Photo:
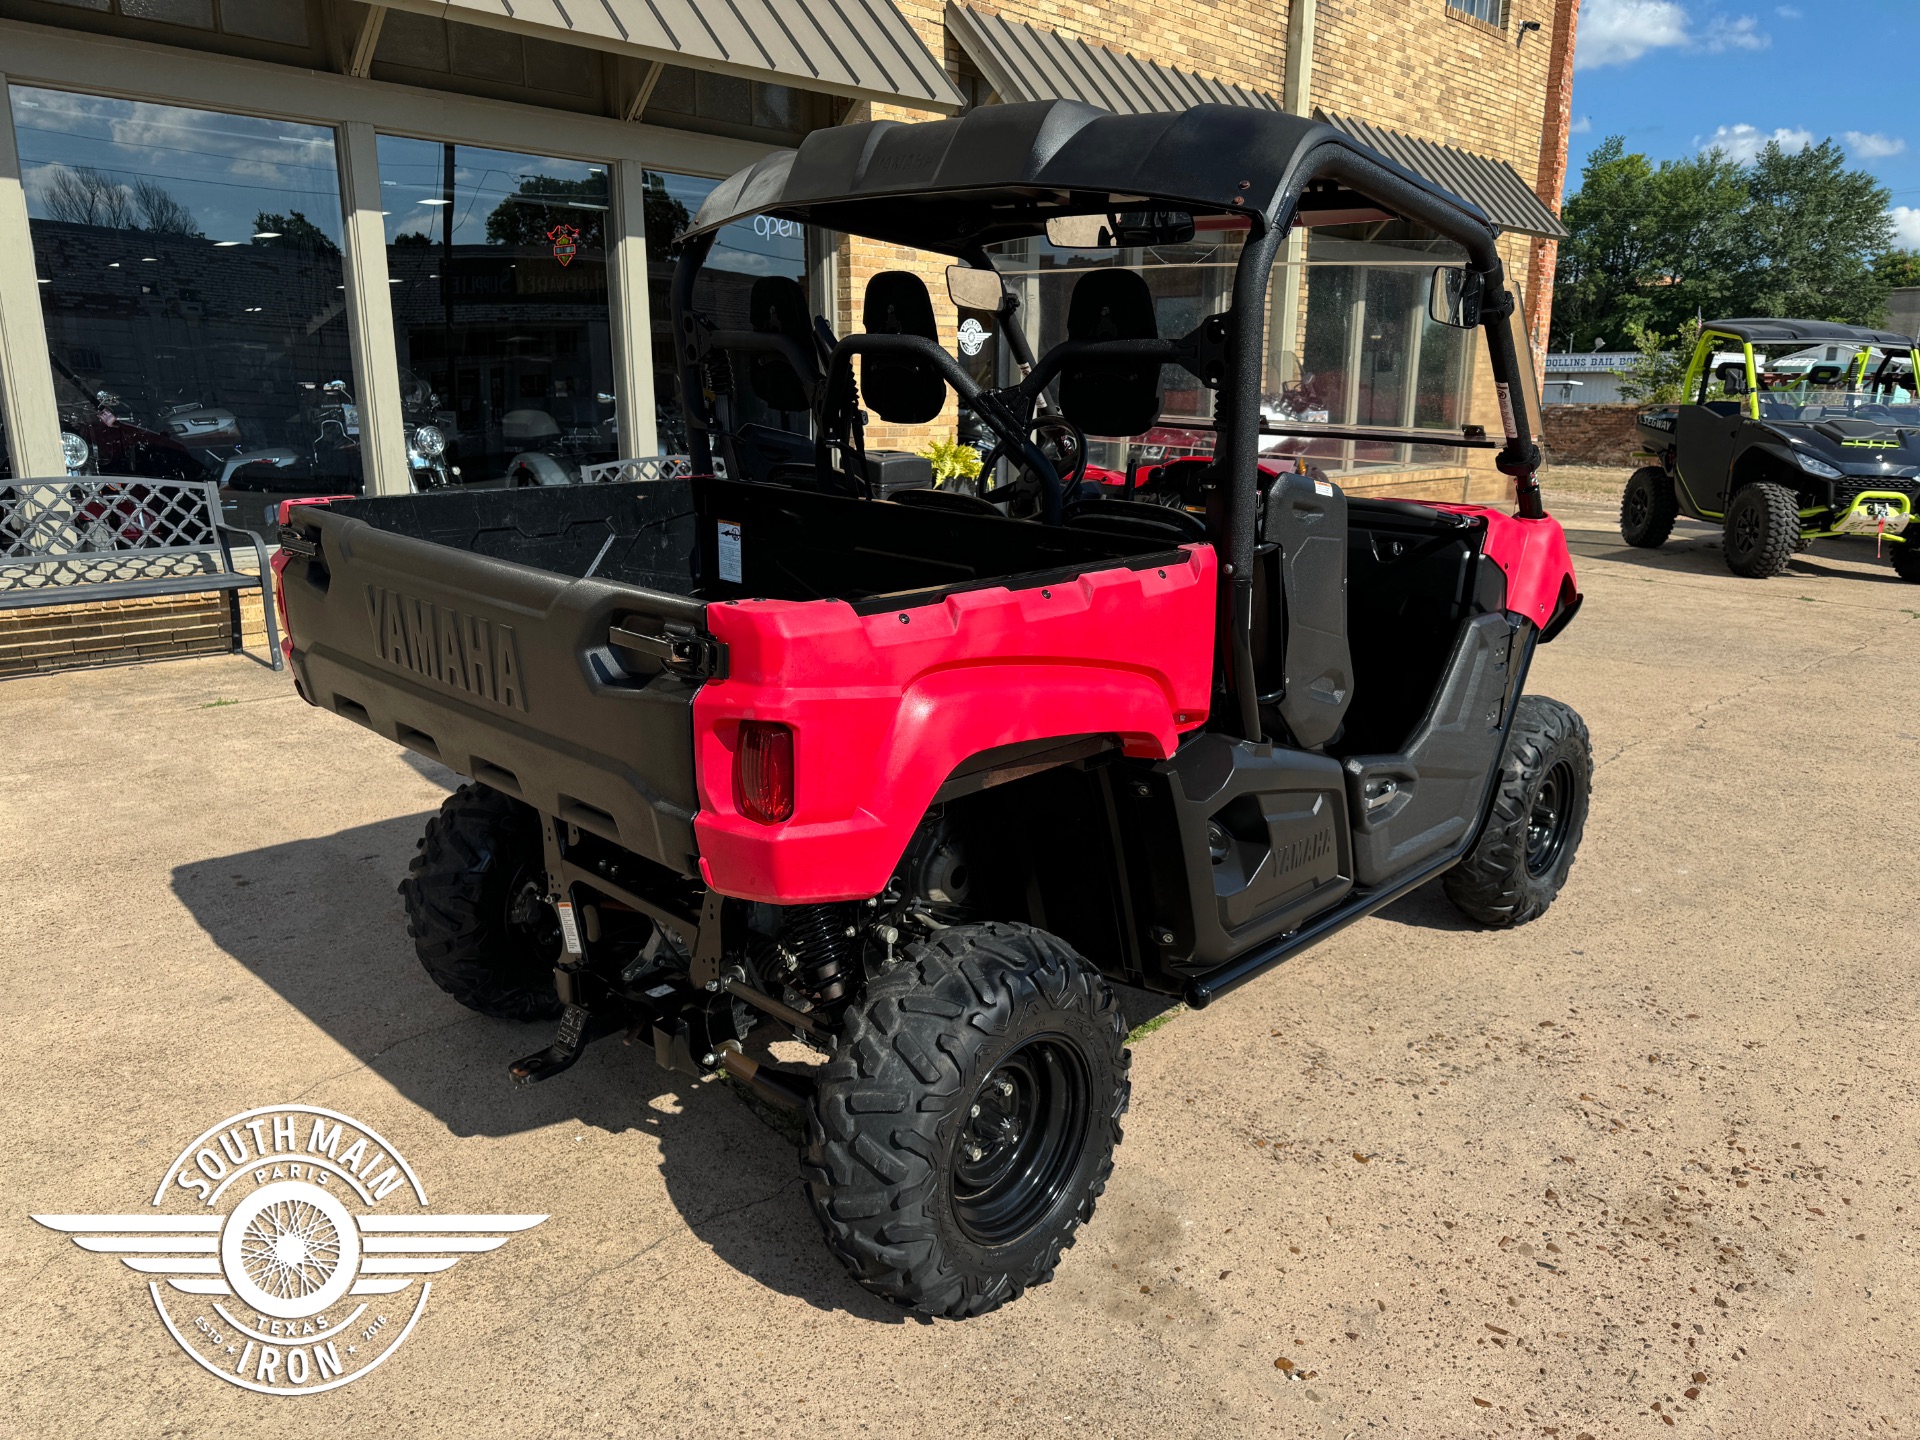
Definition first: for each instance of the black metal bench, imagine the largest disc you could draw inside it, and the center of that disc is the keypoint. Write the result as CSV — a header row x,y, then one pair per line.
x,y
119,537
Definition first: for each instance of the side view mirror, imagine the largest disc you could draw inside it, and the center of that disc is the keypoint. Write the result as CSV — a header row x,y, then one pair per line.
x,y
1120,230
1455,298
972,289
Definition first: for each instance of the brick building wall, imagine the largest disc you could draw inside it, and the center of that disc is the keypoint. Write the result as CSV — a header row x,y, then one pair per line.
x,y
1592,434
127,632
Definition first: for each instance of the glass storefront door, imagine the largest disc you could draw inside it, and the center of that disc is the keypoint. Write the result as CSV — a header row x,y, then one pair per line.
x,y
191,282
498,266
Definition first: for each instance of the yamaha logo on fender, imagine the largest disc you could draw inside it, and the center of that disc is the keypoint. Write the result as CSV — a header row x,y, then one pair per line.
x,y
1303,852
463,652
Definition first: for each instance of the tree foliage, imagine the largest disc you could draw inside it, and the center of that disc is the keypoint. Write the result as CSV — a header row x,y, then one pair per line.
x,y
294,231
1660,364
1900,269
541,203
82,195
1655,247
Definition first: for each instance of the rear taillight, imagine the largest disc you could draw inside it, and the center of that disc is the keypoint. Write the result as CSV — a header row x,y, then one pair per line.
x,y
763,772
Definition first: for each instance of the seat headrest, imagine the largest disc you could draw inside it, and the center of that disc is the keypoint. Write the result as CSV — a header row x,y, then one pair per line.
x,y
777,306
902,389
1111,395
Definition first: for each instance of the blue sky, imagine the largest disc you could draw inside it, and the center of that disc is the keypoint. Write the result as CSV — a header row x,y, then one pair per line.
x,y
1674,76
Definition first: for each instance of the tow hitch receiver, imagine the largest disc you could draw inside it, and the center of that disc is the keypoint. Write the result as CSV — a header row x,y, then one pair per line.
x,y
579,1025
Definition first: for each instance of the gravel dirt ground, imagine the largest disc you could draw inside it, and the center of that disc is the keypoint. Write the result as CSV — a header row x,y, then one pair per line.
x,y
1646,1165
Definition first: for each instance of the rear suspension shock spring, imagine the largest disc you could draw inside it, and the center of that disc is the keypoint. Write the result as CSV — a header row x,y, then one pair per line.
x,y
816,937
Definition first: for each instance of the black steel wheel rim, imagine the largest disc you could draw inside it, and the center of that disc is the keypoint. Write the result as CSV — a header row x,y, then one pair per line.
x,y
1021,1139
1746,529
1550,819
1639,502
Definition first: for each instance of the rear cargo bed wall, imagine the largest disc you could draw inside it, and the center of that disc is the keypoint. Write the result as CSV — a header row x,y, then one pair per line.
x,y
640,534
709,539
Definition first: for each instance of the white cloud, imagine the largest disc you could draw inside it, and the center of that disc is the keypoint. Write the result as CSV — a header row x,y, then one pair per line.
x,y
1614,32
1906,226
1874,146
1582,126
1787,12
1741,34
1617,32
1743,143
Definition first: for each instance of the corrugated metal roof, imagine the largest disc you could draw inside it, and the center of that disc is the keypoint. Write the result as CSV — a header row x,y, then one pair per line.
x,y
1023,63
860,48
1491,184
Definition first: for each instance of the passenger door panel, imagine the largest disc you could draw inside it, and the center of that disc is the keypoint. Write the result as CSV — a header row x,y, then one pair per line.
x,y
1411,807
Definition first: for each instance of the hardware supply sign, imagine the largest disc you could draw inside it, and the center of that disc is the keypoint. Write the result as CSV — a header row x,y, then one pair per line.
x,y
290,1249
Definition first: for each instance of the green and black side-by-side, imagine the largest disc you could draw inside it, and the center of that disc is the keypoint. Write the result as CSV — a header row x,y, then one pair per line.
x,y
1789,431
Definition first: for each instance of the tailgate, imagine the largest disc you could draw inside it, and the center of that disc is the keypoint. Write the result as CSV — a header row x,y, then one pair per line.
x,y
506,673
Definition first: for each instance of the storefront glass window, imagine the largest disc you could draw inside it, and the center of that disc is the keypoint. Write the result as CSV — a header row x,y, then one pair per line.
x,y
497,263
743,254
1369,353
1366,353
191,281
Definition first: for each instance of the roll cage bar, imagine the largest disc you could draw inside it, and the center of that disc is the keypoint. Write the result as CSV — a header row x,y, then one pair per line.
x,y
1226,356
1725,338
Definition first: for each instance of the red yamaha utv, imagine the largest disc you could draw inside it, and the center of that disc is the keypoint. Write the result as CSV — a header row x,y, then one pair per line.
x,y
911,780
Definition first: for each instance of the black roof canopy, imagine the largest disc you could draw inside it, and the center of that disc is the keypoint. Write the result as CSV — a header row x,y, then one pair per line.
x,y
1000,171
1756,331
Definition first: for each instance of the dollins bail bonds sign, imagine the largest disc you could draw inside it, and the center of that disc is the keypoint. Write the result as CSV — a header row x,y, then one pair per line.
x,y
289,1250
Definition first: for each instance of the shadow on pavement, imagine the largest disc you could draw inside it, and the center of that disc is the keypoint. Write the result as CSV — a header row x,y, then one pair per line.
x,y
320,922
1426,909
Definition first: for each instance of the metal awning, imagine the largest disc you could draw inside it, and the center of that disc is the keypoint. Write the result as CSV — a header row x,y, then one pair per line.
x,y
1491,184
1023,63
864,49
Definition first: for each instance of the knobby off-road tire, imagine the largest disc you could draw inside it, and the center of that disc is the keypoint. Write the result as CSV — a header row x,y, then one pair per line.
x,y
1648,508
1906,557
1521,859
967,1122
1762,528
475,895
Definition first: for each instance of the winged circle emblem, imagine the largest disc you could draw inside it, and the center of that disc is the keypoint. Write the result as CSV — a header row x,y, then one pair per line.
x,y
566,243
289,1250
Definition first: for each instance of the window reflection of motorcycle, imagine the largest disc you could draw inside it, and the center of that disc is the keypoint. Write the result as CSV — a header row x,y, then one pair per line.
x,y
329,424
552,456
101,435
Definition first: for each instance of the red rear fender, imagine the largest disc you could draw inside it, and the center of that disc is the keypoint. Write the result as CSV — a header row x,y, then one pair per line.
x,y
885,707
